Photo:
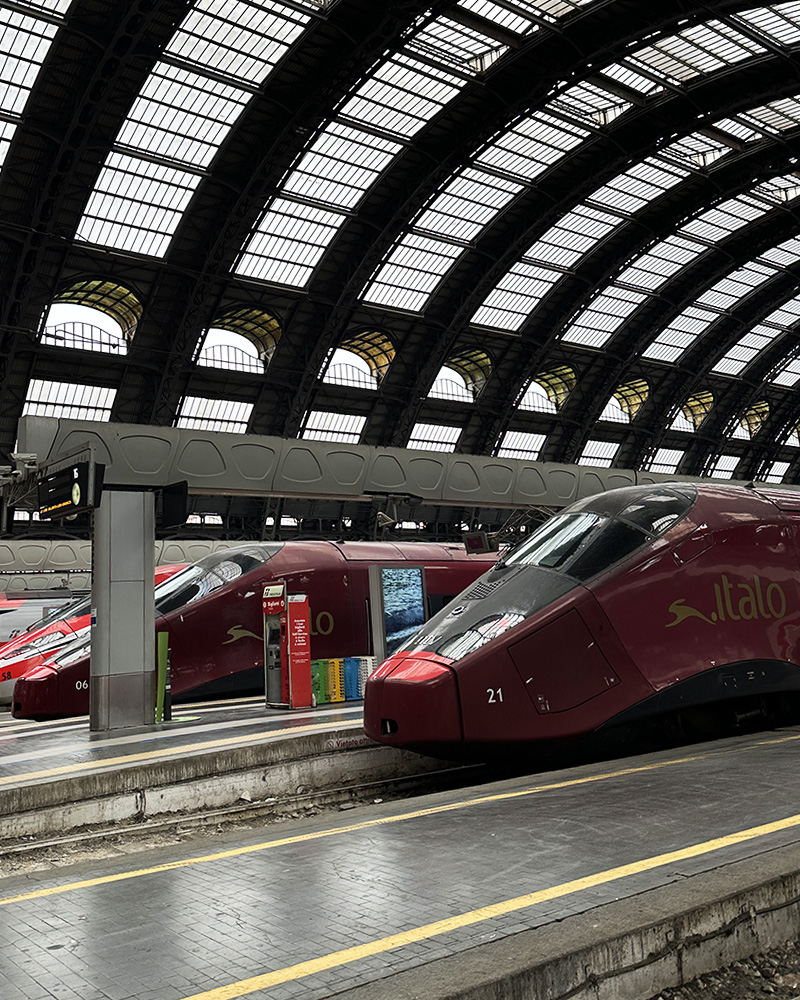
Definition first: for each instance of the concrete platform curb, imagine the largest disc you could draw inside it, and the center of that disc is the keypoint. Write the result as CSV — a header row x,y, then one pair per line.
x,y
627,950
200,782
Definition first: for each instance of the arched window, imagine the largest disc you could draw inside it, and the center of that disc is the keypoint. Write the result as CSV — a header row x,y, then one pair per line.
x,y
626,402
548,391
471,367
240,339
361,360
693,412
93,316
348,368
752,420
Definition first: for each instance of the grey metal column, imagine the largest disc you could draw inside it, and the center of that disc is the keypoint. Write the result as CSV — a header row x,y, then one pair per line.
x,y
122,684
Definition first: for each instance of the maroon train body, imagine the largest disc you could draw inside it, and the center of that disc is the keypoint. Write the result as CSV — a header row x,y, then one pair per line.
x,y
630,604
212,611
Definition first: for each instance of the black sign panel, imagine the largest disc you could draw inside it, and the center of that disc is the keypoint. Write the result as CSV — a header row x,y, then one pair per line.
x,y
69,491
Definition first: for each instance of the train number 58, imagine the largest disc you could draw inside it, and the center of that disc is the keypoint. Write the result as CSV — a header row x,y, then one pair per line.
x,y
495,695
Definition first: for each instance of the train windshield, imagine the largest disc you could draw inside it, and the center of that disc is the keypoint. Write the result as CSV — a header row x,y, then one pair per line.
x,y
596,533
210,574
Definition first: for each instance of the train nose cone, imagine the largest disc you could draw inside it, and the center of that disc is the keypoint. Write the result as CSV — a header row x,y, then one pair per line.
x,y
412,699
35,693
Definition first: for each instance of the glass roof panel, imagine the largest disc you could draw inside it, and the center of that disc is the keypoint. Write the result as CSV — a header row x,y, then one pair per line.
x,y
73,400
201,413
778,323
652,268
470,200
414,268
511,16
369,130
434,437
521,444
788,373
718,300
211,68
181,115
291,239
340,165
532,145
324,425
136,205
698,50
779,22
25,39
513,299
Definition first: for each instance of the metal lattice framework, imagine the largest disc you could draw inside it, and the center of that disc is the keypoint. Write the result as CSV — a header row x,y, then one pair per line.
x,y
506,188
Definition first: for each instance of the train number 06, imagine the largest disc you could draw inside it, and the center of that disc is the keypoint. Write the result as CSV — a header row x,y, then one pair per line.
x,y
495,695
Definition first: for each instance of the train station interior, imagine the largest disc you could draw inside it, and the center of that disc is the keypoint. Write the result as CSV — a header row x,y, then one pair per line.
x,y
399,499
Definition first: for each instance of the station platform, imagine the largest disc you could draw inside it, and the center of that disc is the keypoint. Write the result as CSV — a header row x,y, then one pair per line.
x,y
610,879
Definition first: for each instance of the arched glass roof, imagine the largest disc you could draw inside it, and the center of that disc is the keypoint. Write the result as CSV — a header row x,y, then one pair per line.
x,y
586,210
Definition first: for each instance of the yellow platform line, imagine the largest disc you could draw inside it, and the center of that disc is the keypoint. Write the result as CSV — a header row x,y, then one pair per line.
x,y
350,828
338,958
173,751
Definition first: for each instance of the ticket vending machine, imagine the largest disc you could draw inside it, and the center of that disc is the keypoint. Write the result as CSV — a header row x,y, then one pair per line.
x,y
287,648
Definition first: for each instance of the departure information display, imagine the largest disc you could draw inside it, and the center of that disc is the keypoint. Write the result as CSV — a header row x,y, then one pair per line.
x,y
69,491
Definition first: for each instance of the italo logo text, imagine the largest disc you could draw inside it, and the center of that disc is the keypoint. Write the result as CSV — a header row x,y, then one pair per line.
x,y
735,602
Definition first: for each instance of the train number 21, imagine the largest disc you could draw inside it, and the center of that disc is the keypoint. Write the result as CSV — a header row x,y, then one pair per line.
x,y
495,695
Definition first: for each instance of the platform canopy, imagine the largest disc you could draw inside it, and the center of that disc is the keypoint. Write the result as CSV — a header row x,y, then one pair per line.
x,y
563,230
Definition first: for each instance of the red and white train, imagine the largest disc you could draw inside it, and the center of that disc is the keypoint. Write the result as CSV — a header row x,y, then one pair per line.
x,y
212,612
630,604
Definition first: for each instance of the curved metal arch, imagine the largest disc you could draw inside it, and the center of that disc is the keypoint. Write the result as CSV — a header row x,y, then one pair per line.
x,y
538,340
566,56
576,177
51,164
694,372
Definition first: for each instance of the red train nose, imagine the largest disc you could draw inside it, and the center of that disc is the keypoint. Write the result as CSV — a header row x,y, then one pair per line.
x,y
413,699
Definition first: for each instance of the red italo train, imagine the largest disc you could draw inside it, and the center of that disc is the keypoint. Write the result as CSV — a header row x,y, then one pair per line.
x,y
212,612
676,601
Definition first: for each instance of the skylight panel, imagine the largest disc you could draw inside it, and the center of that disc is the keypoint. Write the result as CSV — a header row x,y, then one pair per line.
x,y
693,322
598,453
340,165
776,117
201,413
776,473
730,290
639,185
701,49
778,323
136,205
181,115
24,43
291,239
650,270
590,104
531,146
412,271
780,22
71,400
742,353
510,303
323,425
724,467
665,460
784,255
681,333
513,17
452,42
521,444
697,150
466,205
608,311
238,38
210,70
787,374
402,96
434,437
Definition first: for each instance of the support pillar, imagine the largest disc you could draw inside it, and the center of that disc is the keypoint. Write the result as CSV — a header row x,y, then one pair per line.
x,y
122,684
